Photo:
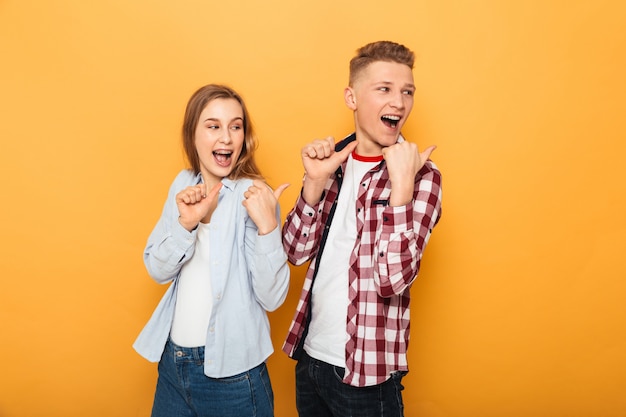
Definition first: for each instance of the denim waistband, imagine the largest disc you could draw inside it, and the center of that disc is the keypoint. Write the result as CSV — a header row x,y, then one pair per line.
x,y
185,354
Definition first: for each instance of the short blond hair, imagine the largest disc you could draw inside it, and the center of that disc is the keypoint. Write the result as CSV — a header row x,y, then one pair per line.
x,y
379,51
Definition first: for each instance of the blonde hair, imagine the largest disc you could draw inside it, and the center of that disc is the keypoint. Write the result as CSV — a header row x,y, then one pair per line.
x,y
379,51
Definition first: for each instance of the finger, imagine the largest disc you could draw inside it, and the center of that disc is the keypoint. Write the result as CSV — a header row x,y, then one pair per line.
x,y
213,192
329,145
320,148
279,190
195,193
427,152
345,152
323,148
258,185
200,191
310,150
313,151
187,196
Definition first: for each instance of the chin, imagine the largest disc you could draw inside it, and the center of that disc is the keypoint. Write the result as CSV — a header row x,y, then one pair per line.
x,y
389,139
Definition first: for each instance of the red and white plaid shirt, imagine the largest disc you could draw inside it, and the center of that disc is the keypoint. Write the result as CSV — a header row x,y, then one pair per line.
x,y
384,262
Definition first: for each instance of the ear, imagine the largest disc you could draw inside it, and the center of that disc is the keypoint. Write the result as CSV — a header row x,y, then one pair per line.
x,y
349,97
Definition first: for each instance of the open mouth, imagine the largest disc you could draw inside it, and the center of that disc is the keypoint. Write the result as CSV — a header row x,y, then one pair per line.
x,y
222,157
390,120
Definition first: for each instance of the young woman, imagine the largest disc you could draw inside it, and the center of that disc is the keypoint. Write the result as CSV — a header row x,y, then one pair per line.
x,y
218,242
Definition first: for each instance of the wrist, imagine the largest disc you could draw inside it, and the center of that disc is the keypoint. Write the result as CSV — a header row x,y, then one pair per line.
x,y
189,226
265,230
401,194
313,189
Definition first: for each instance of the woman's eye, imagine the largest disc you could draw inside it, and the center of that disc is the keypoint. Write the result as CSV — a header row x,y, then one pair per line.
x,y
237,127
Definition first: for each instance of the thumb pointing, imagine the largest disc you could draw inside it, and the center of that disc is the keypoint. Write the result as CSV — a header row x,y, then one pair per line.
x,y
426,154
345,152
279,190
213,192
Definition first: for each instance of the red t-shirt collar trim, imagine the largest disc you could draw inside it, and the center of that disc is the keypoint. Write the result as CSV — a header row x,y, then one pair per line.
x,y
362,158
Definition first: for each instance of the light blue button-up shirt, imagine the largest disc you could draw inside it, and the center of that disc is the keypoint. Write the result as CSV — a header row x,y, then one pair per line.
x,y
249,276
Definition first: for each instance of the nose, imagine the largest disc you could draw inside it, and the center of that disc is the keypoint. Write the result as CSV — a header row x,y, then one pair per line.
x,y
225,138
397,100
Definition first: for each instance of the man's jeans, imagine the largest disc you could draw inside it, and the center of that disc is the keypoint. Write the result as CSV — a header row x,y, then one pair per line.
x,y
184,390
320,392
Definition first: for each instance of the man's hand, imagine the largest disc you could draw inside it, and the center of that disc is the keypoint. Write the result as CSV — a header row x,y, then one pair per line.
x,y
403,163
320,161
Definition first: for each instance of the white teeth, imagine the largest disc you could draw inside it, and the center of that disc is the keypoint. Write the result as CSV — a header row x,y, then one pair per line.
x,y
391,117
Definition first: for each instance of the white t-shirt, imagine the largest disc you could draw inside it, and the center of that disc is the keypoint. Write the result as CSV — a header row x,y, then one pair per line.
x,y
194,301
327,337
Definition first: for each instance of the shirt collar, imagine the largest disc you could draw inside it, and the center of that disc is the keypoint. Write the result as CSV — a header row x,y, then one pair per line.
x,y
227,182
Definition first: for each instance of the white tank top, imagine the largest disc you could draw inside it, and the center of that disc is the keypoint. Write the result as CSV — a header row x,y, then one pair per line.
x,y
194,301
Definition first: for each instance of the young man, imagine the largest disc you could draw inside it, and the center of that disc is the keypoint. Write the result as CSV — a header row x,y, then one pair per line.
x,y
366,211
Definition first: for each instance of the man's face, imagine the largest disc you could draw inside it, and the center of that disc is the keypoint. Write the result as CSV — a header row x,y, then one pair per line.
x,y
382,99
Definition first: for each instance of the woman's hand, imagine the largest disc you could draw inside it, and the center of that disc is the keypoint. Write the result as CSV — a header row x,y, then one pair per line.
x,y
261,204
195,204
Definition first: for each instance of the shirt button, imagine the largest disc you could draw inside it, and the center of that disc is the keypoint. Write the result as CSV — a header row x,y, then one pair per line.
x,y
212,329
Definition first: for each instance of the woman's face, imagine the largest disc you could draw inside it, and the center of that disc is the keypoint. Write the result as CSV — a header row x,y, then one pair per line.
x,y
219,138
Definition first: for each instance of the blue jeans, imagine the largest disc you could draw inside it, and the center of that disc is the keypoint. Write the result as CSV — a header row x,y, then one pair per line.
x,y
320,392
183,390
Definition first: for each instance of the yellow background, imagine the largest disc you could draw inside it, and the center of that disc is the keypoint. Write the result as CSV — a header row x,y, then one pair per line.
x,y
519,309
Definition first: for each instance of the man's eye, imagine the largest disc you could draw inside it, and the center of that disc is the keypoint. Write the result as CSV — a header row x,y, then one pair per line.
x,y
408,92
385,89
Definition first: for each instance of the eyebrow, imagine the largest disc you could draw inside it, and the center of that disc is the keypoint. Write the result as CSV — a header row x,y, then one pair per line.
x,y
214,119
390,83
